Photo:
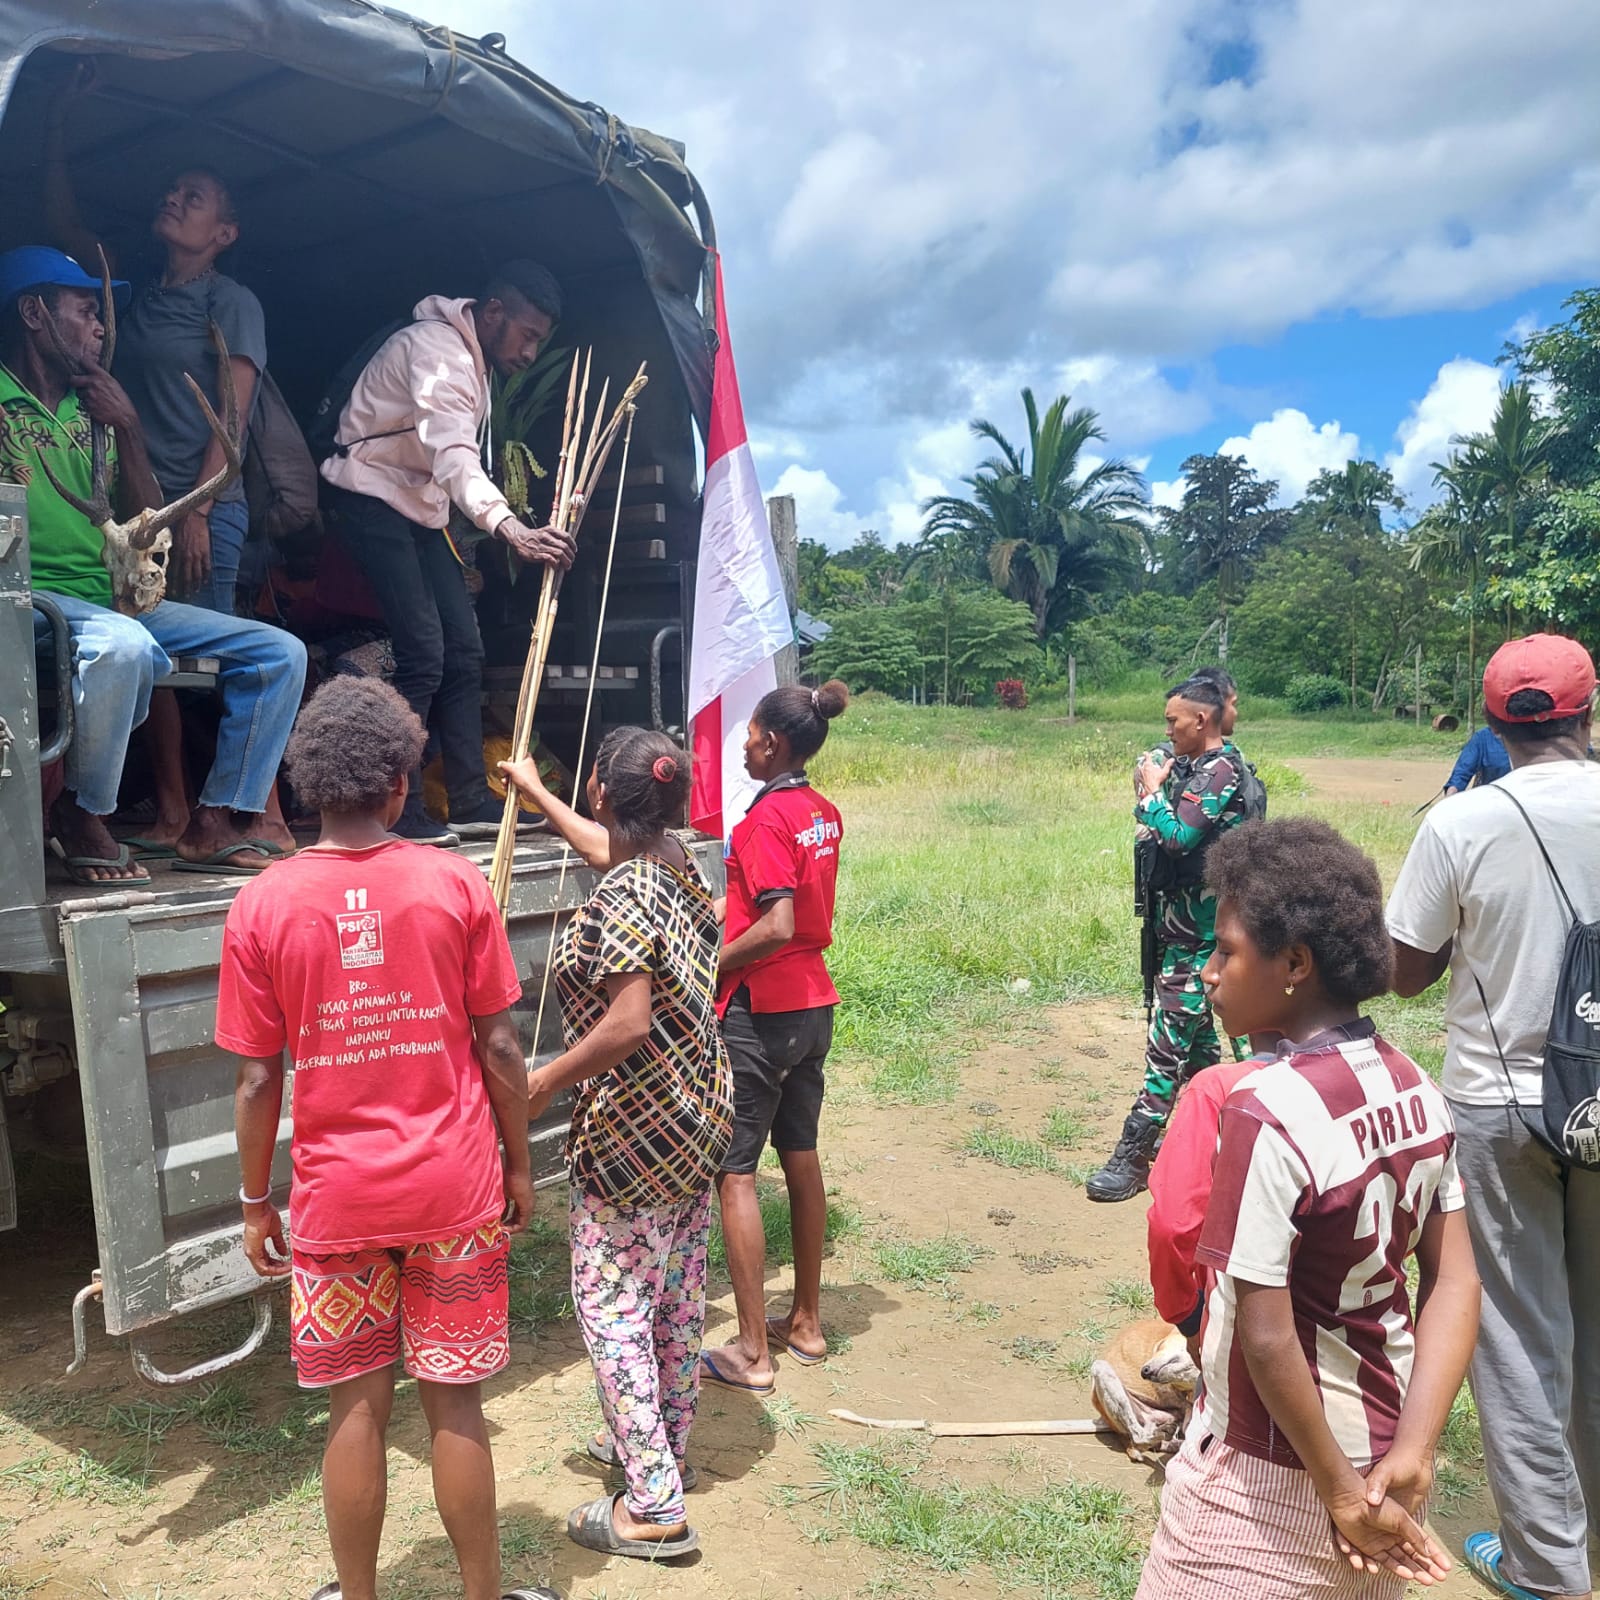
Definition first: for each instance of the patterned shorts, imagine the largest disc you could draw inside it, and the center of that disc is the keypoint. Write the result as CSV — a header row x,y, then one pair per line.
x,y
442,1305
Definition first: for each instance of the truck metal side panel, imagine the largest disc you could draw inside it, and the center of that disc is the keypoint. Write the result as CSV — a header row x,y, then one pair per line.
x,y
158,1094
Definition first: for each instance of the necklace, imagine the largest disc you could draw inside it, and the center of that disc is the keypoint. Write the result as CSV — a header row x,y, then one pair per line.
x,y
185,283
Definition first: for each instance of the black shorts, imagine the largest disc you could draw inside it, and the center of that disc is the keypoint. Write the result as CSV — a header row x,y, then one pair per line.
x,y
777,1059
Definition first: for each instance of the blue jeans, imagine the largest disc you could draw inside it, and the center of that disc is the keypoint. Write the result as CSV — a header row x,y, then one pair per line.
x,y
230,524
118,660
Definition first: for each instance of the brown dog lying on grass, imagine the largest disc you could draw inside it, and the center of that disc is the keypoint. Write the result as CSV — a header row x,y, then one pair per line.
x,y
1144,1388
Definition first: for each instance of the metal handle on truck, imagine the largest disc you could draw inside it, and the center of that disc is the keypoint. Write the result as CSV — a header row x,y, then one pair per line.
x,y
61,639
662,635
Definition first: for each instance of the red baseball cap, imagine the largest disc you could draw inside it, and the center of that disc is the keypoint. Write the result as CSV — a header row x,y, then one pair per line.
x,y
1560,667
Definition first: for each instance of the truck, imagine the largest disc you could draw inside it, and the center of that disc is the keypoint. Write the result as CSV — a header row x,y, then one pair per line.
x,y
375,159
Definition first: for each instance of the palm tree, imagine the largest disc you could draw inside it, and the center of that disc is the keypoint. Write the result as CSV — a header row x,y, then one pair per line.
x,y
1357,493
1051,532
1450,538
1505,467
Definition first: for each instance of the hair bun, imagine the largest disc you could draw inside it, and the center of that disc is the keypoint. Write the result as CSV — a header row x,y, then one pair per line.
x,y
665,769
830,699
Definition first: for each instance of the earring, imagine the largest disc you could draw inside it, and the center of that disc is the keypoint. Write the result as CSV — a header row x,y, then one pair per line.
x,y
1288,988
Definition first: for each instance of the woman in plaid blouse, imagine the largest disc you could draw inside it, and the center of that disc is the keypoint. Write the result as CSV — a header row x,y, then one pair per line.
x,y
636,973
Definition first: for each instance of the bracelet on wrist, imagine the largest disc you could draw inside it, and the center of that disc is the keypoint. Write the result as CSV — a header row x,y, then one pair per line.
x,y
253,1199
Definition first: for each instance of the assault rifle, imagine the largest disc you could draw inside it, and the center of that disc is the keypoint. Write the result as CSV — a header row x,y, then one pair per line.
x,y
1147,907
1152,875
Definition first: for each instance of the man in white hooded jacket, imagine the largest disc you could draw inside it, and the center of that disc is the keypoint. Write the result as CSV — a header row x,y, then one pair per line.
x,y
412,442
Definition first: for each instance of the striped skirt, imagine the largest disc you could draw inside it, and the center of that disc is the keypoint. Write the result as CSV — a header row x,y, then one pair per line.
x,y
1235,1525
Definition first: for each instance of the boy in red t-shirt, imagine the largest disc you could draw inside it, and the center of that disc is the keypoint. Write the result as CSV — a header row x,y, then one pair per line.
x,y
383,968
777,1001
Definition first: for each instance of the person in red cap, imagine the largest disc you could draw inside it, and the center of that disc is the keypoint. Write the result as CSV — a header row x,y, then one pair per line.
x,y
1478,895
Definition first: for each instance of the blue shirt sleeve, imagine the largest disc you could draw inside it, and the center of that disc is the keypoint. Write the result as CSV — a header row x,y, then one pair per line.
x,y
1471,762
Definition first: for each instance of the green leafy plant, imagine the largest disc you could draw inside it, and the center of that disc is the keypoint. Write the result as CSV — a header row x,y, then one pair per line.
x,y
1314,691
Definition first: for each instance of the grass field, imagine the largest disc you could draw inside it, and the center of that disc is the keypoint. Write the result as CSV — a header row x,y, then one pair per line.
x,y
988,865
986,878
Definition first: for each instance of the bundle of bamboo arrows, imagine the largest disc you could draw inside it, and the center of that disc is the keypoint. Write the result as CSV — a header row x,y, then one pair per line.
x,y
577,472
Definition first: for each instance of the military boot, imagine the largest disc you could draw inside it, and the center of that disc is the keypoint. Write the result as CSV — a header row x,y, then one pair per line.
x,y
1127,1173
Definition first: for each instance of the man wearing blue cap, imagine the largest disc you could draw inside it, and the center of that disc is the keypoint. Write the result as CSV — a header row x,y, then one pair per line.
x,y
53,389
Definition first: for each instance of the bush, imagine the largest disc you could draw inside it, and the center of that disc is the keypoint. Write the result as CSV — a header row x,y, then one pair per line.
x,y
1013,696
1315,691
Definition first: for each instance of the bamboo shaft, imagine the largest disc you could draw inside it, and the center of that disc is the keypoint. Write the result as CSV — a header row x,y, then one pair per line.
x,y
581,462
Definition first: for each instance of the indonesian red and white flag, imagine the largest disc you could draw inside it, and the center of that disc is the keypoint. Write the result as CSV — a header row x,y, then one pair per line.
x,y
741,618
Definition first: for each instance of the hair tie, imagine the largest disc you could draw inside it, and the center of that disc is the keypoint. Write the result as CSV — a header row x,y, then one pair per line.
x,y
665,769
816,701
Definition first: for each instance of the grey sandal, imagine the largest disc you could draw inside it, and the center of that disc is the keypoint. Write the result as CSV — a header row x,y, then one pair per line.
x,y
592,1527
605,1452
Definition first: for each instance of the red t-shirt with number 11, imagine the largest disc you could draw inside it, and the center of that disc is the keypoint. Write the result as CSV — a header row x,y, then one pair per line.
x,y
786,845
369,965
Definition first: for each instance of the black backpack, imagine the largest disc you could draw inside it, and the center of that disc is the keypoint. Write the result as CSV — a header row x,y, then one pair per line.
x,y
1248,802
322,432
1567,1124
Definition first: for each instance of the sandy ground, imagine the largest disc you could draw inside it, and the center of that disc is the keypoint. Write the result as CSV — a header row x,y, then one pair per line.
x,y
201,1520
1399,783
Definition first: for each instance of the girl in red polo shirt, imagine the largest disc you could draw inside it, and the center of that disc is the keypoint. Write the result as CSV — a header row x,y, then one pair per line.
x,y
777,1002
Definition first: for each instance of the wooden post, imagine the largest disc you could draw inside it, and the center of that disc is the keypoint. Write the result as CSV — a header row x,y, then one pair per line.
x,y
786,542
1419,684
1072,688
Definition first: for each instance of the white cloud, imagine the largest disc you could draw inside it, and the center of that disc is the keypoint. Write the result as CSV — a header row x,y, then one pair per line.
x,y
898,248
766,446
818,506
1288,446
1461,399
1168,494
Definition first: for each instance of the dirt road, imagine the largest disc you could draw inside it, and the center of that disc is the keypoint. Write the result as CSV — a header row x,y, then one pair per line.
x,y
1398,783
106,1490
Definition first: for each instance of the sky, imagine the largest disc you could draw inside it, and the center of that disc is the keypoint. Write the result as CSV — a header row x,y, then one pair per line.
x,y
1297,230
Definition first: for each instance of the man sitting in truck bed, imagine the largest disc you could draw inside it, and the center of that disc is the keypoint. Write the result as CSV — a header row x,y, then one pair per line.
x,y
52,387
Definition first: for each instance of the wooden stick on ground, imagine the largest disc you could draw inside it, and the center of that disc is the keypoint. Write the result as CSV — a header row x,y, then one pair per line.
x,y
975,1430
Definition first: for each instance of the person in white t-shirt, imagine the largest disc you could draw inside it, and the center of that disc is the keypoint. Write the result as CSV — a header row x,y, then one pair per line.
x,y
1475,896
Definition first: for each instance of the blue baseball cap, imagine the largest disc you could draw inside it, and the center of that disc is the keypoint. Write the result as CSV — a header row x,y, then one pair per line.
x,y
31,266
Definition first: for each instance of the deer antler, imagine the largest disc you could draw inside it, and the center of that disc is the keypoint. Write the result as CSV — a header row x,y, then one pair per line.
x,y
226,433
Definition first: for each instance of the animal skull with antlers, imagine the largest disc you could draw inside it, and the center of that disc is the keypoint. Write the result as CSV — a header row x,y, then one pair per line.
x,y
136,551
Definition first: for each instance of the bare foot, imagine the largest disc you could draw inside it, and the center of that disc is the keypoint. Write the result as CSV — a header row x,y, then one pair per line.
x,y
82,834
268,826
628,1526
212,830
806,1337
737,1366
166,829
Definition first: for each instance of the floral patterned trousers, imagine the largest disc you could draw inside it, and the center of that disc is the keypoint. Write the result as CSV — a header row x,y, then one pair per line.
x,y
639,1285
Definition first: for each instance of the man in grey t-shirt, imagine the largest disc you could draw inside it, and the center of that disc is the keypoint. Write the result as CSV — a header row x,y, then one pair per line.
x,y
165,336
1476,896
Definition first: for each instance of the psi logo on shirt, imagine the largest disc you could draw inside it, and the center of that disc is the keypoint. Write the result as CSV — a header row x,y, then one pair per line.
x,y
819,833
360,939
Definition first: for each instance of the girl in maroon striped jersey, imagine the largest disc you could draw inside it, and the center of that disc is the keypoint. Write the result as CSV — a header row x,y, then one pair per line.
x,y
1308,1461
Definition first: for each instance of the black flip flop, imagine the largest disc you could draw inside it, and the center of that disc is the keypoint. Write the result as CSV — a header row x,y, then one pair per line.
x,y
592,1527
605,1452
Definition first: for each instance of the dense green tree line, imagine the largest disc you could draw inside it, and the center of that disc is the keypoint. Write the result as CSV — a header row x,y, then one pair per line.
x,y
1053,552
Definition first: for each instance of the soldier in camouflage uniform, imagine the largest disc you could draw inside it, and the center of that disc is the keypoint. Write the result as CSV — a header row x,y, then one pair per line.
x,y
1185,801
